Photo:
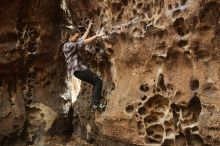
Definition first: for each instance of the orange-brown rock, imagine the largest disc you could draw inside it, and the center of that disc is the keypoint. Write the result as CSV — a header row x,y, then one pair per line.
x,y
159,61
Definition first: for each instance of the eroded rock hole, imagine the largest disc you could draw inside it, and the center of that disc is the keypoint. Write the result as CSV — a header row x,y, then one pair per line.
x,y
160,82
195,128
180,140
180,31
158,137
97,50
159,11
29,101
194,84
116,7
112,86
140,104
176,13
134,12
168,124
158,90
201,54
32,49
187,53
139,5
153,117
161,45
162,32
129,108
31,74
134,2
195,107
176,5
110,50
197,140
125,2
153,140
155,129
169,7
150,132
144,98
144,88
157,102
178,94
168,142
150,119
142,111
183,2
182,43
172,56
179,26
146,8
42,115
120,15
188,135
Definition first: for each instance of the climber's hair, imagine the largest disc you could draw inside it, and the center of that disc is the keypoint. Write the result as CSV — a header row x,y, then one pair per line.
x,y
73,32
69,33
65,37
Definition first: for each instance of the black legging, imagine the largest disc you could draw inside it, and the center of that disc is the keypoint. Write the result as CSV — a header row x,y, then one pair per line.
x,y
92,78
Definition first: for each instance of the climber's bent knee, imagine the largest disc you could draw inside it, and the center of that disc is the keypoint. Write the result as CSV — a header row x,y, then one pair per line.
x,y
97,80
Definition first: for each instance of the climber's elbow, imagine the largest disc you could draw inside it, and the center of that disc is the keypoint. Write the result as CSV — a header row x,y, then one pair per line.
x,y
89,40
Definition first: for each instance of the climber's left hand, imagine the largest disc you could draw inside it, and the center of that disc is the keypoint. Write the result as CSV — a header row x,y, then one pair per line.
x,y
90,24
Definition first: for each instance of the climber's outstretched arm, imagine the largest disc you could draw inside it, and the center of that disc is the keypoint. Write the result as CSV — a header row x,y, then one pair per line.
x,y
87,31
91,39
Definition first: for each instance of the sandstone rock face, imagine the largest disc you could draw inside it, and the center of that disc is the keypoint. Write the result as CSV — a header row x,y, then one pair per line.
x,y
31,69
164,68
159,61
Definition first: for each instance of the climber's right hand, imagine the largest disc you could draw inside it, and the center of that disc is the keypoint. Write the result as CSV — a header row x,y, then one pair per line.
x,y
100,34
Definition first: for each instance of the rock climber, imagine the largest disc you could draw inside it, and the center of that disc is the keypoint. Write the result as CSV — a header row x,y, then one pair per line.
x,y
77,66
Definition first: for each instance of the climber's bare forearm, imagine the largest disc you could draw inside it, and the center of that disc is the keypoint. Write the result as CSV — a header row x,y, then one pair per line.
x,y
90,40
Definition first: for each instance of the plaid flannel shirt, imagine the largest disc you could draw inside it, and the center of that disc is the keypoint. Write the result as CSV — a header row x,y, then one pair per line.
x,y
72,56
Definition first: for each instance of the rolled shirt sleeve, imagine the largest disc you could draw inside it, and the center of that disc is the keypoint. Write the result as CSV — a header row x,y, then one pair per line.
x,y
70,46
80,43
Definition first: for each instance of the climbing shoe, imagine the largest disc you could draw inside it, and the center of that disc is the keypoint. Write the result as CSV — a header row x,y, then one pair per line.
x,y
99,106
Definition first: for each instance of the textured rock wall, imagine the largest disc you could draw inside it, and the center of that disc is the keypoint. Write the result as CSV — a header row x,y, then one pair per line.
x,y
32,71
159,62
163,86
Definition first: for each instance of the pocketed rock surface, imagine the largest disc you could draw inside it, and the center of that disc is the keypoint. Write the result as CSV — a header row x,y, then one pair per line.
x,y
159,62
